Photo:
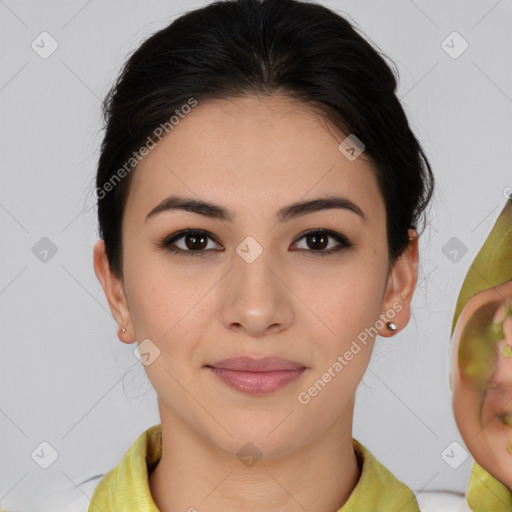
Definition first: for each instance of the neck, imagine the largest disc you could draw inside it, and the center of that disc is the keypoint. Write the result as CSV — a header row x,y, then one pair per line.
x,y
193,475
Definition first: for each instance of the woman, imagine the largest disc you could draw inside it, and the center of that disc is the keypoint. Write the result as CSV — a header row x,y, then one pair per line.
x,y
259,190
482,368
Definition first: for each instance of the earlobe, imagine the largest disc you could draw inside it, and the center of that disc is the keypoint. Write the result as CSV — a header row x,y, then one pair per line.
x,y
114,292
400,287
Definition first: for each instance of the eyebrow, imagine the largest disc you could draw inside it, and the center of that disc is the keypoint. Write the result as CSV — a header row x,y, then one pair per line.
x,y
291,211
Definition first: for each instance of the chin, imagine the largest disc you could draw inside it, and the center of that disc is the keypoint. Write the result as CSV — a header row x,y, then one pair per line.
x,y
256,439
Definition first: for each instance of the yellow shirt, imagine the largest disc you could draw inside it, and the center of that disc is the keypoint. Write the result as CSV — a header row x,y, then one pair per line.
x,y
486,493
126,488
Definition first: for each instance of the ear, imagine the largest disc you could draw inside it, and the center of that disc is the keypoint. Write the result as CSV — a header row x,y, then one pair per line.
x,y
114,291
400,286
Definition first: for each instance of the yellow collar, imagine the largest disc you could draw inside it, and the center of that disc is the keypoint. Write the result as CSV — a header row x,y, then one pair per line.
x,y
487,493
126,487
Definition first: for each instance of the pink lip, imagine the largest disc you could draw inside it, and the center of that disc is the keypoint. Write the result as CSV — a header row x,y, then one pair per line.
x,y
257,376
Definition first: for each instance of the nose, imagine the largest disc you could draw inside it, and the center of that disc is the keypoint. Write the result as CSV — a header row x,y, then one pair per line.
x,y
258,300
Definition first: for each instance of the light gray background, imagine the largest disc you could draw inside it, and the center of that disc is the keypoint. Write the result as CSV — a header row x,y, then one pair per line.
x,y
65,377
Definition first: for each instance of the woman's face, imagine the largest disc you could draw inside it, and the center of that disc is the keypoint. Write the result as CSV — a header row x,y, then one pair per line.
x,y
482,379
252,283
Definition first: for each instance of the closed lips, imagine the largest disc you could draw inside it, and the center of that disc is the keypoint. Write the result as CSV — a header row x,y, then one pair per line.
x,y
266,364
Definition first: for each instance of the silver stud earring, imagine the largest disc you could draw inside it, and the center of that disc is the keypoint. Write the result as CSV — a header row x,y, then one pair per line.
x,y
392,326
124,330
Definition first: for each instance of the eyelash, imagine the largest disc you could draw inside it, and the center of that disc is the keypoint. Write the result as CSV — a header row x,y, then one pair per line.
x,y
167,242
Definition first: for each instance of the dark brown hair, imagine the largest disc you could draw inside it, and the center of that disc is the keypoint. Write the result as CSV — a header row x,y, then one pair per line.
x,y
246,47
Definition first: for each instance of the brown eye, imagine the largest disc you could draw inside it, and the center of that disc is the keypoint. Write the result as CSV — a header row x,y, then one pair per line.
x,y
193,242
317,240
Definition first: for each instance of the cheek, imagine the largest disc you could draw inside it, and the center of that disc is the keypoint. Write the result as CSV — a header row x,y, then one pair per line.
x,y
347,305
350,297
355,304
164,296
172,312
169,313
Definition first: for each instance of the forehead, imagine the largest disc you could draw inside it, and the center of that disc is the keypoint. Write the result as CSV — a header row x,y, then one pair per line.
x,y
253,152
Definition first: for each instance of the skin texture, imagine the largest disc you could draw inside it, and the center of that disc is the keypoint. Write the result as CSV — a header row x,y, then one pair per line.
x,y
254,155
482,379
